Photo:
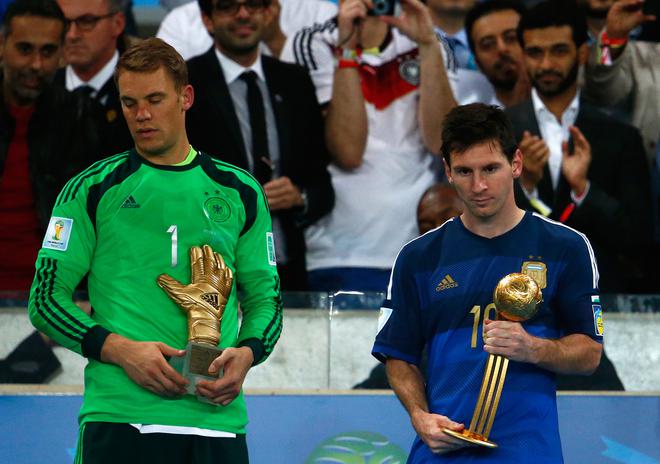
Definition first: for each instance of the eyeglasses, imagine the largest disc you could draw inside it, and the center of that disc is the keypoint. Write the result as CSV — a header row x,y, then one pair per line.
x,y
231,7
87,22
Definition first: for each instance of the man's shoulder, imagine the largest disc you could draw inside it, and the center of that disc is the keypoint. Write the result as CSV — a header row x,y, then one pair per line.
x,y
611,140
96,174
522,109
290,73
312,46
68,106
428,242
218,169
60,77
602,123
554,233
200,62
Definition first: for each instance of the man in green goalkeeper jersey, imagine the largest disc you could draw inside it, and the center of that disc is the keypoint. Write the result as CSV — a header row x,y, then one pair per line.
x,y
125,221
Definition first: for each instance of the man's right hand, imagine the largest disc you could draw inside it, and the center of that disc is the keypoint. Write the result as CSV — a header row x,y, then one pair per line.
x,y
535,156
145,364
429,428
350,13
624,16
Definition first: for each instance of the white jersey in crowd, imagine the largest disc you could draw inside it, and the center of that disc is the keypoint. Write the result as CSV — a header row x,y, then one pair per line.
x,y
184,30
375,204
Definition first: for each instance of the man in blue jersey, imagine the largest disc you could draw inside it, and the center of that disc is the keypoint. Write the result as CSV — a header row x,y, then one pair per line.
x,y
440,299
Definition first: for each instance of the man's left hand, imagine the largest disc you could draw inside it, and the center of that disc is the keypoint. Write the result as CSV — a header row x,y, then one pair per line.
x,y
282,194
510,340
235,363
575,165
415,22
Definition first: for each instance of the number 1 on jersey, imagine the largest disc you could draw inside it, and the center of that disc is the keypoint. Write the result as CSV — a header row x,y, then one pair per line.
x,y
172,230
476,310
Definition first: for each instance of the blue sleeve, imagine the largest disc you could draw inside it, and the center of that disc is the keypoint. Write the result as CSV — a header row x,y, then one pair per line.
x,y
399,325
579,308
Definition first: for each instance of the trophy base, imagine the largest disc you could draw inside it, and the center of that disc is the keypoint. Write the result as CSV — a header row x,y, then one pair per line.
x,y
194,366
471,437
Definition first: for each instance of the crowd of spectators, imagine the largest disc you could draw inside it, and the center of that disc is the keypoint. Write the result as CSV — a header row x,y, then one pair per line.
x,y
339,117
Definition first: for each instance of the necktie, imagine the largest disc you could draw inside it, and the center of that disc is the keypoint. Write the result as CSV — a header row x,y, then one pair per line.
x,y
260,156
86,90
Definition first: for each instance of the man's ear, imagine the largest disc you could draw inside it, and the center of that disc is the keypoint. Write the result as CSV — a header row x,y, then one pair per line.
x,y
583,54
517,163
188,97
208,23
447,171
119,23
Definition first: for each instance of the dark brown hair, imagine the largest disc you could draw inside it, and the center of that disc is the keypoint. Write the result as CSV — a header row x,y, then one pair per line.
x,y
469,125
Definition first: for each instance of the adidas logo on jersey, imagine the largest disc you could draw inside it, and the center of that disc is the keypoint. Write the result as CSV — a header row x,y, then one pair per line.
x,y
446,283
130,203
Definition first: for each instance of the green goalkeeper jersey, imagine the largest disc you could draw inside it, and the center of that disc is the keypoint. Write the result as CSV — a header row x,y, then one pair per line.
x,y
124,221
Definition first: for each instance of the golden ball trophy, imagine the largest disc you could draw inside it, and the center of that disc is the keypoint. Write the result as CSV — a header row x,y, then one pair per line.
x,y
204,301
517,298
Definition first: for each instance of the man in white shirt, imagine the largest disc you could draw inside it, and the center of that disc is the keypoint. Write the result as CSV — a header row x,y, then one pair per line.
x,y
491,32
91,53
385,87
183,28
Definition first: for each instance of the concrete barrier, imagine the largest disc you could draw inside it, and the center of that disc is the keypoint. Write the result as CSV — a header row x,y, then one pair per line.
x,y
320,350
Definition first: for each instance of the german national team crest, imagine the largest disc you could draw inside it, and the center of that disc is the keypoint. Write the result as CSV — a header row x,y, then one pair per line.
x,y
409,71
537,271
217,209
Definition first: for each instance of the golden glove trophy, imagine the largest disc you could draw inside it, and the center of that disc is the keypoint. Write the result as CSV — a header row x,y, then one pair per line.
x,y
516,298
204,300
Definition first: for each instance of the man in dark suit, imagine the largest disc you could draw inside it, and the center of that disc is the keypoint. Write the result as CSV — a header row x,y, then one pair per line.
x,y
91,51
47,135
581,167
260,114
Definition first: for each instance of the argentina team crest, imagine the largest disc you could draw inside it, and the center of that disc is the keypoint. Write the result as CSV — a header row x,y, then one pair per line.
x,y
537,271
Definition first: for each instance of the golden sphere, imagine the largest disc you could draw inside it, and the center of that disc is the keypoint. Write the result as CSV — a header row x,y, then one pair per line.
x,y
517,297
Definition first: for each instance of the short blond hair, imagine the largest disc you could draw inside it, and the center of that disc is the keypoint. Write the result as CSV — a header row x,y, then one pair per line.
x,y
151,54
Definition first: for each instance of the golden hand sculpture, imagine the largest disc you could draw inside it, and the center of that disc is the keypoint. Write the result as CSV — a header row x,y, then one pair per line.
x,y
205,298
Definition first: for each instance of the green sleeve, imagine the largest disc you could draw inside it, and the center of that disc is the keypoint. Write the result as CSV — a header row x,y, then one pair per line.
x,y
61,264
257,279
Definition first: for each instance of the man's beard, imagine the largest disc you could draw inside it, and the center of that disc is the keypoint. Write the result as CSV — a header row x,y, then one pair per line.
x,y
561,87
507,81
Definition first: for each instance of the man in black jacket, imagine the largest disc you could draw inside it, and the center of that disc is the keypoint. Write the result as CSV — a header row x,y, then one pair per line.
x,y
46,136
581,167
260,114
92,45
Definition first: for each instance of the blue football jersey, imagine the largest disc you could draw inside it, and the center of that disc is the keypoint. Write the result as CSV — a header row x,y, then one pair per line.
x,y
440,292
